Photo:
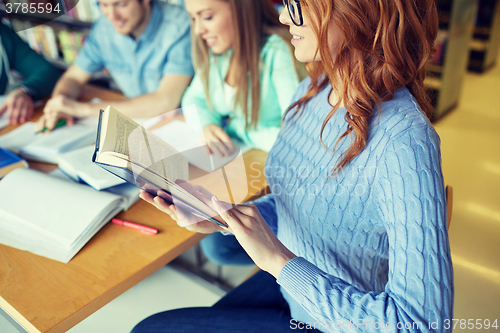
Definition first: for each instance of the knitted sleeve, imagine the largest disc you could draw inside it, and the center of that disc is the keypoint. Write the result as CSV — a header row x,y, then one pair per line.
x,y
418,296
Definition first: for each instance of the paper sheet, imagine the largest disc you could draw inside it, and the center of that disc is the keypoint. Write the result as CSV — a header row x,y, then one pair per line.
x,y
179,135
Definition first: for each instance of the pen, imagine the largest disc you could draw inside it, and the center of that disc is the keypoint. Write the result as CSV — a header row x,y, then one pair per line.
x,y
60,123
137,226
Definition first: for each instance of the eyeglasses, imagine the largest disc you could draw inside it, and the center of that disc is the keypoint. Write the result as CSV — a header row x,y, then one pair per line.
x,y
294,11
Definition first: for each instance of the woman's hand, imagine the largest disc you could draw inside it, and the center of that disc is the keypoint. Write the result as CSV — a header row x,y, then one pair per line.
x,y
255,236
183,219
217,140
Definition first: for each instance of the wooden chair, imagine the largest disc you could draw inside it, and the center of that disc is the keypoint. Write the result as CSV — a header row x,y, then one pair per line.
x,y
449,204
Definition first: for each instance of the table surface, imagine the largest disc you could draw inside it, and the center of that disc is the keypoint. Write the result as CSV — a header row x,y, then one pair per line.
x,y
44,295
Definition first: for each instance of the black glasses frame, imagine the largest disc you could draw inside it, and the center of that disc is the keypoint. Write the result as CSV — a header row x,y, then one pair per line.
x,y
291,13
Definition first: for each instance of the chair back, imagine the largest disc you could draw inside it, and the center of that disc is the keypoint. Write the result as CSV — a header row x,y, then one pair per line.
x,y
449,204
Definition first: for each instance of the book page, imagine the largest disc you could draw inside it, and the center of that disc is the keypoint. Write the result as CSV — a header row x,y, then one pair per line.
x,y
124,136
78,164
62,216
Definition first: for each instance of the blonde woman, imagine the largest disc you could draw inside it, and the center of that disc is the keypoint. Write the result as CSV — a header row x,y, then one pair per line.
x,y
245,72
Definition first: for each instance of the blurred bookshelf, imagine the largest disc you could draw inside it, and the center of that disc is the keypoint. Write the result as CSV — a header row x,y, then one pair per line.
x,y
485,43
448,66
58,38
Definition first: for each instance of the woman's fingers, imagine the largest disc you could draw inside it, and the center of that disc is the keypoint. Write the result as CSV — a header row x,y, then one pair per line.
x,y
229,215
146,196
218,141
225,140
159,203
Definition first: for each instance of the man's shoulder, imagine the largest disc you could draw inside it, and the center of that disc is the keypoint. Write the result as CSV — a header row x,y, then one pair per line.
x,y
102,27
172,14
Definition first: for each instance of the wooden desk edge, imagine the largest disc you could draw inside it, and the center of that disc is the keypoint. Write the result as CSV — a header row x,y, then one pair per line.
x,y
17,317
111,294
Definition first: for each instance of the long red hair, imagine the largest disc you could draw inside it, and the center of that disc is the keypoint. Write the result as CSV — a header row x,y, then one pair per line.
x,y
385,46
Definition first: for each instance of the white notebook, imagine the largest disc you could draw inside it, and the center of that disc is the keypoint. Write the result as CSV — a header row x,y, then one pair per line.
x,y
51,217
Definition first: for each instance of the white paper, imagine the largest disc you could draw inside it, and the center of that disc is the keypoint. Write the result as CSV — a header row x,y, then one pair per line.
x,y
185,140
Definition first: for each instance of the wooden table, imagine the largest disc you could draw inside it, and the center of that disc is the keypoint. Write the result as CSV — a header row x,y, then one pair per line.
x,y
44,295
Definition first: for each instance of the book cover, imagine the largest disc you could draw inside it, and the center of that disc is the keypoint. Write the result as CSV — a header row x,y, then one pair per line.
x,y
10,161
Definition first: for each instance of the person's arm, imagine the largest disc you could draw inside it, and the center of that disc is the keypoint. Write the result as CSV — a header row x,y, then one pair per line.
x,y
71,83
199,114
205,121
39,77
420,281
166,98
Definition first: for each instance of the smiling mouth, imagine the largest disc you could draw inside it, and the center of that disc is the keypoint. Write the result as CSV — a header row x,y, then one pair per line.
x,y
210,41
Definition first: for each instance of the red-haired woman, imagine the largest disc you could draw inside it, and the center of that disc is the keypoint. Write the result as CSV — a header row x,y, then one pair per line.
x,y
353,237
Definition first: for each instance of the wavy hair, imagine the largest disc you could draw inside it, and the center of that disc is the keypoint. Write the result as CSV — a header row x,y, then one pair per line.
x,y
385,45
253,21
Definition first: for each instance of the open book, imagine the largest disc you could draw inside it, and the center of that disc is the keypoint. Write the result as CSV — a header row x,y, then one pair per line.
x,y
25,142
77,164
134,154
58,219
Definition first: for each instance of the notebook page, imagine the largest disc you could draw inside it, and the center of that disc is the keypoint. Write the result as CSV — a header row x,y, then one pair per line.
x,y
79,162
61,208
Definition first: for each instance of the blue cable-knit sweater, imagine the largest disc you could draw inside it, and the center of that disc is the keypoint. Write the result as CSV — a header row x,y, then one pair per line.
x,y
371,243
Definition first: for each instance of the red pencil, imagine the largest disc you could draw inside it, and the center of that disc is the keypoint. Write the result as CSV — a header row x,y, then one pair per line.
x,y
137,226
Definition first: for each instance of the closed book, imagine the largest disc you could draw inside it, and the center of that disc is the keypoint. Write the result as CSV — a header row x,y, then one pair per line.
x,y
9,162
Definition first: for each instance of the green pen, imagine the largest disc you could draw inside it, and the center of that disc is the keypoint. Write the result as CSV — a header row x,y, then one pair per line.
x,y
60,122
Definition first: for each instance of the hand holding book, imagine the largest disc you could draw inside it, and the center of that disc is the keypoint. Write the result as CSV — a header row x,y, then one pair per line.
x,y
184,219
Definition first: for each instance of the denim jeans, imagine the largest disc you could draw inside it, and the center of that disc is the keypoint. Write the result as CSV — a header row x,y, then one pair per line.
x,y
255,306
224,250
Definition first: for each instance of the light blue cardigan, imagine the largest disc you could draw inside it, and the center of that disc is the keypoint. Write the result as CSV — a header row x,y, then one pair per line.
x,y
278,80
